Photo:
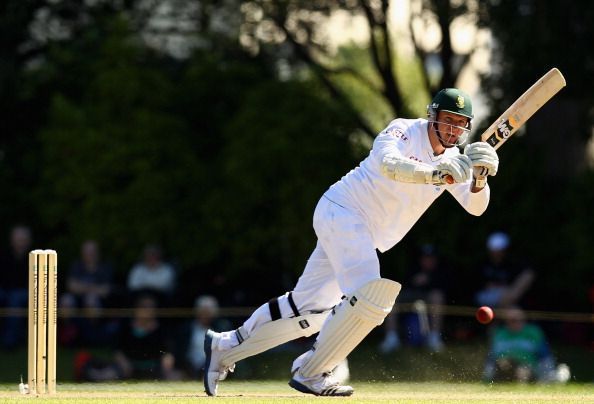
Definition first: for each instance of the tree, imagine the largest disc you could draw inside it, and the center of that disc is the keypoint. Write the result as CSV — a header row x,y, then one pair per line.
x,y
20,114
282,150
212,157
116,160
546,174
293,29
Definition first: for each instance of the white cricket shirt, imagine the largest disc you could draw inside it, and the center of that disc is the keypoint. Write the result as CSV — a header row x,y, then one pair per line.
x,y
391,207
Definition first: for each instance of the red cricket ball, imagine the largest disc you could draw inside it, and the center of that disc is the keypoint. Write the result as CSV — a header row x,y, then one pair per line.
x,y
484,315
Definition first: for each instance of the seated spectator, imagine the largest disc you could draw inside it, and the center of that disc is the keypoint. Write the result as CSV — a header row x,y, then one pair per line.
x,y
141,349
519,352
152,274
14,286
424,285
191,342
504,282
88,287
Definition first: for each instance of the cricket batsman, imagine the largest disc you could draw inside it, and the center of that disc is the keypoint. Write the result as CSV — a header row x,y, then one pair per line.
x,y
341,293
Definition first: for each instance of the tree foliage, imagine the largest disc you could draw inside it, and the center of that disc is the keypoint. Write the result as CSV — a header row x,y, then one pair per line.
x,y
540,194
216,135
212,157
293,29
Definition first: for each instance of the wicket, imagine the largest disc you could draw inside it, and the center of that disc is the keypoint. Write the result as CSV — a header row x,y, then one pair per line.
x,y
42,315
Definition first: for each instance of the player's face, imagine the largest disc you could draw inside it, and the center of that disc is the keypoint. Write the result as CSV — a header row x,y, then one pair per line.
x,y
453,128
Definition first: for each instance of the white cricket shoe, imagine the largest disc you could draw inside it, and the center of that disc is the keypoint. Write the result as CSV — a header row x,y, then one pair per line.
x,y
322,385
213,371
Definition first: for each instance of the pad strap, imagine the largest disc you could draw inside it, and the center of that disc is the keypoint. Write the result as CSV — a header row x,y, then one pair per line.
x,y
272,334
240,334
293,305
274,307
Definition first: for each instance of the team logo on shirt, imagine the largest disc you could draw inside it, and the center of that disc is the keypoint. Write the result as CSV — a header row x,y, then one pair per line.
x,y
397,133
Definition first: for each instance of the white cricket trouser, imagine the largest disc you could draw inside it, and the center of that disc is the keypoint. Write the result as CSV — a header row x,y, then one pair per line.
x,y
343,260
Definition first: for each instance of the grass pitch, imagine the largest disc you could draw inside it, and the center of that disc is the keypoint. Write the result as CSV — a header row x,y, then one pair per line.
x,y
279,392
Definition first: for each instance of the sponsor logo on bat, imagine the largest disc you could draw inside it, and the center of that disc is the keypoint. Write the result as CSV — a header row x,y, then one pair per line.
x,y
493,140
505,129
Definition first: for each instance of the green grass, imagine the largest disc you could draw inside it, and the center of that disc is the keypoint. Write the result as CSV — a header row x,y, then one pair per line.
x,y
412,375
278,392
459,362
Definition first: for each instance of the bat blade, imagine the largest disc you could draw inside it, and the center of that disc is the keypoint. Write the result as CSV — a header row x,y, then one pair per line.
x,y
523,108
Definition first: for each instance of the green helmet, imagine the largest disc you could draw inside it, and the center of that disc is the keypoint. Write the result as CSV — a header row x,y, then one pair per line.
x,y
450,100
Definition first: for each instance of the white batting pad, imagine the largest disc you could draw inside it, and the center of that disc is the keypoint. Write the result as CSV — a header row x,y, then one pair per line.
x,y
353,319
274,333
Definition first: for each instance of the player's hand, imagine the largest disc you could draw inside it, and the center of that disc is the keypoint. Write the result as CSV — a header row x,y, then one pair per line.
x,y
484,159
458,168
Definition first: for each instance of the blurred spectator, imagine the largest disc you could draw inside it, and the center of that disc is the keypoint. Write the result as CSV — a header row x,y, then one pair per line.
x,y
152,274
519,352
14,285
503,282
191,341
424,285
89,285
141,349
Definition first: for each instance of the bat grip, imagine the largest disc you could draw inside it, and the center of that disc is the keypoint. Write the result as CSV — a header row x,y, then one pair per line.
x,y
480,182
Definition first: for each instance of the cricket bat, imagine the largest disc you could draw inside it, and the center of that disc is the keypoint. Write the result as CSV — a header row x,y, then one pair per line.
x,y
522,109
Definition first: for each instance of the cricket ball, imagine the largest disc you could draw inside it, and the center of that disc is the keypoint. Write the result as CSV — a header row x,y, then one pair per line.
x,y
484,315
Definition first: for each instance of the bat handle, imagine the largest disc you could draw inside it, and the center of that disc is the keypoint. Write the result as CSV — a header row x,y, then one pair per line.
x,y
480,182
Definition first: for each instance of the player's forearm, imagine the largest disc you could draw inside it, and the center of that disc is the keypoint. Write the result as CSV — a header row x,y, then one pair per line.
x,y
477,202
405,170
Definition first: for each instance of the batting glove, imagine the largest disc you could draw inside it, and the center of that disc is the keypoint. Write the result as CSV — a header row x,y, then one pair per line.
x,y
459,167
484,159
